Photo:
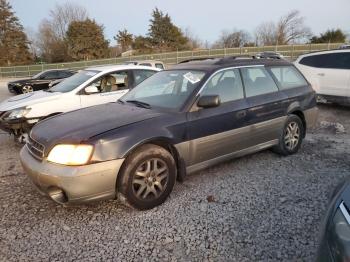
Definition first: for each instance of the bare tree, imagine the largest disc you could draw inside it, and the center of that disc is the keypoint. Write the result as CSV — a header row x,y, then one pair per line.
x,y
194,42
235,38
265,34
52,32
291,27
62,15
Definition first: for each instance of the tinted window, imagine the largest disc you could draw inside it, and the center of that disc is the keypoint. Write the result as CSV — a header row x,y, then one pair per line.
x,y
226,84
288,77
334,60
140,75
49,75
64,74
257,81
160,66
145,64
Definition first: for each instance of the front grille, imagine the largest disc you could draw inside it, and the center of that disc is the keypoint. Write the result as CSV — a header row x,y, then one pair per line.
x,y
35,148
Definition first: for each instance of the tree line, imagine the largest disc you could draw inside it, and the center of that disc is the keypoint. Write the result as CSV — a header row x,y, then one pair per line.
x,y
69,34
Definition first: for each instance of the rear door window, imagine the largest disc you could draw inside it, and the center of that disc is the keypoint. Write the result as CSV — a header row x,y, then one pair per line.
x,y
146,64
288,77
159,65
257,81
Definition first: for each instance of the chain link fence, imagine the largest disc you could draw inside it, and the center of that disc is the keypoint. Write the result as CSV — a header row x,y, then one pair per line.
x,y
289,51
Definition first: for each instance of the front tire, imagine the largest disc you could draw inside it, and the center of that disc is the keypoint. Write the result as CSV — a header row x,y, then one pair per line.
x,y
291,137
27,89
147,177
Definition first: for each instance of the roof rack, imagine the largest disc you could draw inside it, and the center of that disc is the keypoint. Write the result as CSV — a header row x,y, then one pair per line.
x,y
237,57
198,59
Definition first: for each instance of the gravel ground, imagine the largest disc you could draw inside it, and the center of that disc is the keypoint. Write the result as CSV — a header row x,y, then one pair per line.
x,y
261,207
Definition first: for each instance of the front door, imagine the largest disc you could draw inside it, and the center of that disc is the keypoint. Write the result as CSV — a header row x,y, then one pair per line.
x,y
110,88
215,132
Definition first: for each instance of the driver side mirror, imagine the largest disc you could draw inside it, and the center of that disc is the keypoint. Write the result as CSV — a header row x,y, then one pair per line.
x,y
91,90
209,101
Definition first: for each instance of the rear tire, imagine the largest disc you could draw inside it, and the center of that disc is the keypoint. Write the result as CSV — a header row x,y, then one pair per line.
x,y
147,177
292,136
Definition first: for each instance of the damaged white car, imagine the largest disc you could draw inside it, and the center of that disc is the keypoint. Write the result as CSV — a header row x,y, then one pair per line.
x,y
89,87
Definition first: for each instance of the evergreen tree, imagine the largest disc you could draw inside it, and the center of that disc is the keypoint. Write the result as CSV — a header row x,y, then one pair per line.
x,y
14,48
330,36
86,41
164,34
124,39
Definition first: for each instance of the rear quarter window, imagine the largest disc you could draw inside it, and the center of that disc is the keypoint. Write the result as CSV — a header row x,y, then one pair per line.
x,y
339,60
288,77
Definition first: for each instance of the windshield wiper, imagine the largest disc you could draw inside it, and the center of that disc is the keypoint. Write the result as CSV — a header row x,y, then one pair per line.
x,y
139,103
120,101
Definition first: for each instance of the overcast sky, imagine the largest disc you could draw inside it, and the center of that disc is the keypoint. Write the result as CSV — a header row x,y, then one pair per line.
x,y
206,19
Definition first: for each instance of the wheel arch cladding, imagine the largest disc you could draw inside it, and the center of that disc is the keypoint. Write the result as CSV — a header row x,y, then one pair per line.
x,y
168,145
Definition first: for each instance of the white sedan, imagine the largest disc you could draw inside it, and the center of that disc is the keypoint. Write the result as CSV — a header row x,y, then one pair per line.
x,y
89,87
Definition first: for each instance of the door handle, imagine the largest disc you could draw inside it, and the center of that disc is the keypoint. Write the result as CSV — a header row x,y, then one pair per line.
x,y
320,74
241,114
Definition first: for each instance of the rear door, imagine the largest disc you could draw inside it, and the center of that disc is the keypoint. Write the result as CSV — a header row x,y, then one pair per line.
x,y
267,105
219,131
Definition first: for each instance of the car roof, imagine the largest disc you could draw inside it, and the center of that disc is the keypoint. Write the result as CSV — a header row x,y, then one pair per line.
x,y
325,52
120,67
210,64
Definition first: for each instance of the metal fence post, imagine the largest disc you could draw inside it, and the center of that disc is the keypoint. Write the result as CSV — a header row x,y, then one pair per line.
x,y
177,56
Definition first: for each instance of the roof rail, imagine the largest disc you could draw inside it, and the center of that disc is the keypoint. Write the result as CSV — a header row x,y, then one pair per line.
x,y
235,57
197,59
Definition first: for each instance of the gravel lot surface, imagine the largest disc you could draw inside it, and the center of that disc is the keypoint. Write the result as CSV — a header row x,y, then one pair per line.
x,y
261,207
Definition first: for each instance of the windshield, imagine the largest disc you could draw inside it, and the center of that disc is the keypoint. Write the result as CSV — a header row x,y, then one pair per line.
x,y
38,75
74,81
166,89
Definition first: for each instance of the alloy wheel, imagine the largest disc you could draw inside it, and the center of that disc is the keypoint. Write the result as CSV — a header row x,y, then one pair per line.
x,y
27,89
292,135
150,179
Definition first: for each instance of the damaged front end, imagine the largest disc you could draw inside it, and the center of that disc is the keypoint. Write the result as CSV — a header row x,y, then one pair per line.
x,y
14,123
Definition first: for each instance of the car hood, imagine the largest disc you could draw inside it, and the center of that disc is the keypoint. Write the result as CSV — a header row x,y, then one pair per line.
x,y
80,125
28,99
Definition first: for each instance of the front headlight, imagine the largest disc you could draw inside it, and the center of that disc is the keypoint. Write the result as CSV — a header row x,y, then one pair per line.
x,y
18,113
71,155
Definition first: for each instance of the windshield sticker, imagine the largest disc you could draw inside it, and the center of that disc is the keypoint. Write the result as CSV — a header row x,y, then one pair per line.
x,y
192,78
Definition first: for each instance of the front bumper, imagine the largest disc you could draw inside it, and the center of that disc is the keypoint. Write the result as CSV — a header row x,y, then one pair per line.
x,y
79,183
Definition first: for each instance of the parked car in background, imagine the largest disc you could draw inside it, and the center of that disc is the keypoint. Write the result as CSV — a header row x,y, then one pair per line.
x,y
177,121
269,54
335,231
345,46
92,86
329,74
39,81
152,63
